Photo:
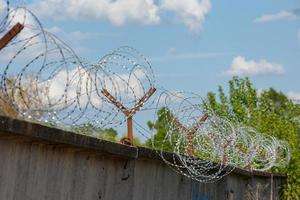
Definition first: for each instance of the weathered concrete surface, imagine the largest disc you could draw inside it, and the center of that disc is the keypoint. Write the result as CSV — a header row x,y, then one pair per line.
x,y
41,163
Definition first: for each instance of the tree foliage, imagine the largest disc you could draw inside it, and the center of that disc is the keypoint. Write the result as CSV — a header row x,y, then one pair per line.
x,y
90,130
160,126
109,134
23,97
270,112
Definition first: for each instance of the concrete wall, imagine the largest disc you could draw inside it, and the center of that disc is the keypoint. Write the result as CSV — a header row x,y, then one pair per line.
x,y
41,163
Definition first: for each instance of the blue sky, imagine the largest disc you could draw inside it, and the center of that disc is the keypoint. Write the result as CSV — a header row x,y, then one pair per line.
x,y
190,52
193,45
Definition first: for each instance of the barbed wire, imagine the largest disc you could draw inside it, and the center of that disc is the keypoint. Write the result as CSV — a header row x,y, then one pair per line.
x,y
206,147
4,10
64,89
45,81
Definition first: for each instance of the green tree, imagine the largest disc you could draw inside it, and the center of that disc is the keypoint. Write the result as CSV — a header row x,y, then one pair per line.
x,y
158,141
24,97
108,134
90,130
271,113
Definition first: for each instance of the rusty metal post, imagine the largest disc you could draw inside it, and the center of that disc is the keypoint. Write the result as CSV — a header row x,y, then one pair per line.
x,y
190,147
191,131
129,113
225,158
249,168
130,129
14,31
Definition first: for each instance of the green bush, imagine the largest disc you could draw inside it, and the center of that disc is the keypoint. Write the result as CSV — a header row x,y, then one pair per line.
x,y
270,112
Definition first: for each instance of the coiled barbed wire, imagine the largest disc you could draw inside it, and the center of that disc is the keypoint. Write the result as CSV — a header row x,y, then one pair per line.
x,y
206,147
192,136
43,76
126,76
56,86
45,81
4,10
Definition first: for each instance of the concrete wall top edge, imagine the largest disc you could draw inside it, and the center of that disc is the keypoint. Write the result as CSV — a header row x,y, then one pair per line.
x,y
34,131
57,136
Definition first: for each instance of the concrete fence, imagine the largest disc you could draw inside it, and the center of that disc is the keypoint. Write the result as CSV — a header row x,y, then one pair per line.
x,y
42,163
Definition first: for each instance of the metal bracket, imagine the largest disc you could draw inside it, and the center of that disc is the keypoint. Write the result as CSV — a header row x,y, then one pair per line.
x,y
129,113
14,31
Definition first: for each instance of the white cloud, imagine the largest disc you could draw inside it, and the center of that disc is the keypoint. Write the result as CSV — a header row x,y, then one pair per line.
x,y
118,12
30,31
172,51
74,35
244,67
295,96
128,86
191,12
3,7
172,55
78,77
55,88
283,15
